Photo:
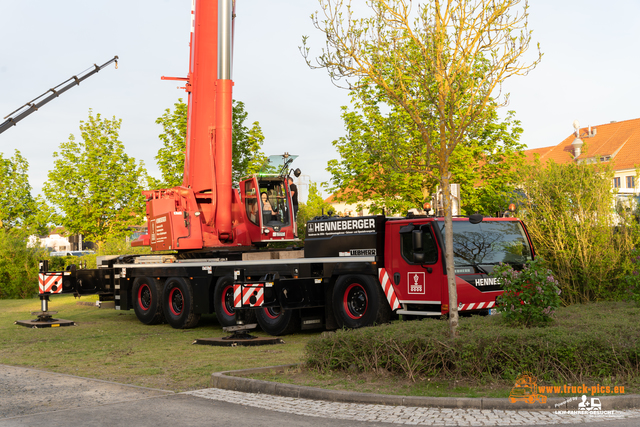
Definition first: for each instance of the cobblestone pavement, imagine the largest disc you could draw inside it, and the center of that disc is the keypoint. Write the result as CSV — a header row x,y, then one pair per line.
x,y
406,414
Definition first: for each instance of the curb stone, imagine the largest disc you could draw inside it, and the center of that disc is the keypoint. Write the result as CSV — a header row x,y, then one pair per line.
x,y
231,380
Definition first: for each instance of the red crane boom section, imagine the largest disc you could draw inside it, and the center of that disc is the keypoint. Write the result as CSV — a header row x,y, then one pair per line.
x,y
206,211
207,169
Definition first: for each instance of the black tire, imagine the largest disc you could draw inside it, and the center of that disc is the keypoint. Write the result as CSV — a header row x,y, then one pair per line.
x,y
146,295
223,304
358,301
276,321
177,303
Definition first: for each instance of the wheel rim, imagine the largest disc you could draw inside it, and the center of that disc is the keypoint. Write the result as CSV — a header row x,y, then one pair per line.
x,y
227,301
176,301
144,297
355,301
272,312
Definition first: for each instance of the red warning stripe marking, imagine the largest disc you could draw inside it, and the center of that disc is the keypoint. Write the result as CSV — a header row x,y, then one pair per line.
x,y
50,282
476,306
388,289
242,295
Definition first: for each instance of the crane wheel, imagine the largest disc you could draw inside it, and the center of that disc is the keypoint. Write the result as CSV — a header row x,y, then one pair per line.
x,y
276,321
147,300
358,301
177,303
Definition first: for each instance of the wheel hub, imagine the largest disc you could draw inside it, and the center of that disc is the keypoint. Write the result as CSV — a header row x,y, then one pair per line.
x,y
228,301
144,296
177,301
356,300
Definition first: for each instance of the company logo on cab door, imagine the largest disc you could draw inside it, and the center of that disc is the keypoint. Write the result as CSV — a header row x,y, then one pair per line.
x,y
415,282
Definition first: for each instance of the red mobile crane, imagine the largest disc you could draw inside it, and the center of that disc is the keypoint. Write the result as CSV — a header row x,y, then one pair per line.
x,y
352,272
206,212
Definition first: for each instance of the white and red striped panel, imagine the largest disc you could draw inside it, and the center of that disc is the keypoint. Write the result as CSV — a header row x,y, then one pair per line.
x,y
387,287
476,306
48,281
242,295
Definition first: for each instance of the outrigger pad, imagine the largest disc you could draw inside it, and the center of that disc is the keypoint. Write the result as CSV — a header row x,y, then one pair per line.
x,y
239,337
235,342
45,320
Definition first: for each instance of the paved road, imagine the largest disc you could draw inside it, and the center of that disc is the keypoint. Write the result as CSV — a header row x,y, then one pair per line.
x,y
29,397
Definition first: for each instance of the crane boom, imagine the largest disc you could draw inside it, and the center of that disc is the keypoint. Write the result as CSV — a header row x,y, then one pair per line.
x,y
15,116
207,213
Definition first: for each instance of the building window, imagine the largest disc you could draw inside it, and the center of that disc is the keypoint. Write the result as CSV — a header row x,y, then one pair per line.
x,y
616,182
630,182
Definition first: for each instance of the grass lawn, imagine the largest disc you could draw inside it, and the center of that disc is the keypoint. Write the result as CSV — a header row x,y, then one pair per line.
x,y
113,345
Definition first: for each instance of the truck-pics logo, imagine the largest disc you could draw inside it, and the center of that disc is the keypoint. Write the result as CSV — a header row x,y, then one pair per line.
x,y
590,405
526,390
415,282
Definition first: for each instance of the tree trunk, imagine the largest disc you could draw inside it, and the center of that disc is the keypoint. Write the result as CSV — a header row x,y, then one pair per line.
x,y
448,256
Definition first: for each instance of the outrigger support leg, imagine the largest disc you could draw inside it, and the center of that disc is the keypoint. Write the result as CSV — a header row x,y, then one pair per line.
x,y
240,335
45,317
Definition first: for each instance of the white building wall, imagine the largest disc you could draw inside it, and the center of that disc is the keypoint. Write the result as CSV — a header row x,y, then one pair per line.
x,y
56,242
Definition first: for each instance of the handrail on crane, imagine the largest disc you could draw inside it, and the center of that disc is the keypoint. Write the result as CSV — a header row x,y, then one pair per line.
x,y
15,116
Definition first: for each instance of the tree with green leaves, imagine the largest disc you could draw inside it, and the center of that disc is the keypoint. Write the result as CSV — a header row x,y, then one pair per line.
x,y
18,208
18,264
315,206
94,185
442,63
246,144
370,164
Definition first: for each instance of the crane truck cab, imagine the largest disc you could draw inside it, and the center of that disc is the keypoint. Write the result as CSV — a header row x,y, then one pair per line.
x,y
267,200
360,271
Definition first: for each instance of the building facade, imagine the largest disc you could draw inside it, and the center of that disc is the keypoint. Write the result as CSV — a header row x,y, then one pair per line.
x,y
617,143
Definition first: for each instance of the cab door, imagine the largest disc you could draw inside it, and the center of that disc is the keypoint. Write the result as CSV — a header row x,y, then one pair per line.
x,y
252,212
413,261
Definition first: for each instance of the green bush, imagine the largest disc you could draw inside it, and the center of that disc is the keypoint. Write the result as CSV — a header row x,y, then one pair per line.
x,y
530,297
18,265
594,341
571,215
632,278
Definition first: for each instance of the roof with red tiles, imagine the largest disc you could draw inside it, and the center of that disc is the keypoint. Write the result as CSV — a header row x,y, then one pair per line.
x,y
619,141
332,198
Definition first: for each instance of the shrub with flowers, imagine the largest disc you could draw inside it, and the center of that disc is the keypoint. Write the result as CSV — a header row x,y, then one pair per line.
x,y
530,296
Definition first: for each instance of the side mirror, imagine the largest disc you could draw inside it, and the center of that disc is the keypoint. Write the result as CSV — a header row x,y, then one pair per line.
x,y
417,240
418,257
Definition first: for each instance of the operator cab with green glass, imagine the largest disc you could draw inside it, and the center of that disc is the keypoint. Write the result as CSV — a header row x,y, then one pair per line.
x,y
267,201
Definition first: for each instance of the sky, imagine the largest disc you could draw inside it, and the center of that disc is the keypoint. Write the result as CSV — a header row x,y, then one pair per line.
x,y
588,73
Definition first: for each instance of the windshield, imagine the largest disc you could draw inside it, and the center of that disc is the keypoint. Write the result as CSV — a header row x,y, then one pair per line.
x,y
489,242
274,204
275,164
